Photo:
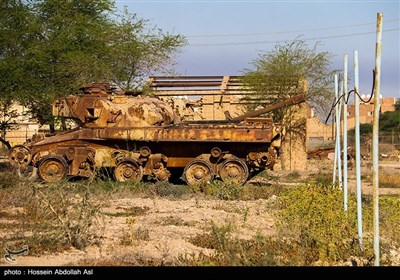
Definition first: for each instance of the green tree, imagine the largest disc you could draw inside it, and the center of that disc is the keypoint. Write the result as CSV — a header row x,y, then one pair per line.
x,y
67,52
76,42
8,117
284,71
138,49
397,106
17,29
390,121
288,70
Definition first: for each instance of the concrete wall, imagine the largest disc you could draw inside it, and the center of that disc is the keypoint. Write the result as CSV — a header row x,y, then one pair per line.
x,y
24,128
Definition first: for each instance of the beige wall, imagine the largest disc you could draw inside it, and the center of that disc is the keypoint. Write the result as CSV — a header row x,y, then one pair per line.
x,y
318,133
367,109
24,129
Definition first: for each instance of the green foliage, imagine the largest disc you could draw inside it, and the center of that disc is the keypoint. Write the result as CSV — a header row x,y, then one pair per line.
x,y
312,227
50,48
321,178
279,74
139,50
389,217
313,215
230,251
222,190
134,234
253,192
397,106
390,121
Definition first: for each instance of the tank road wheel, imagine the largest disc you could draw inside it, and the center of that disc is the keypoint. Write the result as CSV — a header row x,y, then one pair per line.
x,y
234,170
198,171
128,170
27,173
53,169
20,156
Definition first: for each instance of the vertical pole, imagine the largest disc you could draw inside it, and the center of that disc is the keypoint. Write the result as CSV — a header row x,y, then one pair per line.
x,y
339,154
345,132
357,145
375,137
336,147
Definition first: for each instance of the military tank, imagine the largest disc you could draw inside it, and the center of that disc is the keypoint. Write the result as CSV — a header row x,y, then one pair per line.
x,y
137,137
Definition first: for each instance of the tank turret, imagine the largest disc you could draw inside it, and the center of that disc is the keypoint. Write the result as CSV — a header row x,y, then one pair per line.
x,y
100,106
137,137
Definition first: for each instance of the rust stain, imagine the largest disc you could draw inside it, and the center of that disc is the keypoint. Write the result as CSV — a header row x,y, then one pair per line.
x,y
135,136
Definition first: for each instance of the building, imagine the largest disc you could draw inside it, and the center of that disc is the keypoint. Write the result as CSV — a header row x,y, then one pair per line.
x,y
215,97
367,110
24,128
319,133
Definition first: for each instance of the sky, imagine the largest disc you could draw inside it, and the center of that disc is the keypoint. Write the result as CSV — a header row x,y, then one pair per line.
x,y
226,37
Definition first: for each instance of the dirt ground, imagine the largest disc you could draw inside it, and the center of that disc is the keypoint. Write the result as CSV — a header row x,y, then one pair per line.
x,y
168,224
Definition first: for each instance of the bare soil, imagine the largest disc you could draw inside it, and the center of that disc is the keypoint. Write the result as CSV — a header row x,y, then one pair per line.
x,y
163,231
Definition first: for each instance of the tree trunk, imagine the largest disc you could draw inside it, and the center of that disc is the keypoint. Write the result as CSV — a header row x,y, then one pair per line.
x,y
63,124
6,143
282,156
52,128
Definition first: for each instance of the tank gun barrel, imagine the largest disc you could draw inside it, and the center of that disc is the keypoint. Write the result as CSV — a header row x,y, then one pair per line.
x,y
287,102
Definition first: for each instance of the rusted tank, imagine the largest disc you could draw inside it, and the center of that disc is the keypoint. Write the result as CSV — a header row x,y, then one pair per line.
x,y
135,138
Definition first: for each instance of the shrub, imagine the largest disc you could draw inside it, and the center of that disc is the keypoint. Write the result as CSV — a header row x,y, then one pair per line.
x,y
62,214
313,215
222,190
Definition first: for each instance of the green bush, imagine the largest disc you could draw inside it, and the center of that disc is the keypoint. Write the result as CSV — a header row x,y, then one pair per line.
x,y
222,190
389,217
313,215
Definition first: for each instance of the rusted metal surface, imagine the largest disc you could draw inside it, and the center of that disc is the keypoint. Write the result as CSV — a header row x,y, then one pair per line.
x,y
288,102
137,138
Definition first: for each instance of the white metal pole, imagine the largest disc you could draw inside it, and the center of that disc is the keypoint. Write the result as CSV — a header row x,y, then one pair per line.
x,y
345,132
357,145
375,137
339,154
336,146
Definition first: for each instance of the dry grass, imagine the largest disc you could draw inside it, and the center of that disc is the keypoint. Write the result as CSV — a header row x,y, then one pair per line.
x,y
387,180
311,223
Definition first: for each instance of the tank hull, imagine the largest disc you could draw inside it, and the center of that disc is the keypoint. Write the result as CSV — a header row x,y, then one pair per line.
x,y
158,150
137,137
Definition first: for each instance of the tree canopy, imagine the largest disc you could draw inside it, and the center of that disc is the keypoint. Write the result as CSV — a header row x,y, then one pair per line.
x,y
283,71
51,48
390,121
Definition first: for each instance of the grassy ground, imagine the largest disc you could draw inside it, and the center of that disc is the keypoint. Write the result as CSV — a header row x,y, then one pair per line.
x,y
311,226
